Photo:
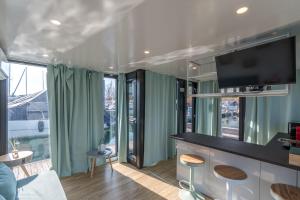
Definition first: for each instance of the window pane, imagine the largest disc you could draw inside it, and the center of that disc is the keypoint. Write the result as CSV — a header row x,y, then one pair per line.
x,y
28,125
230,117
110,114
189,111
131,117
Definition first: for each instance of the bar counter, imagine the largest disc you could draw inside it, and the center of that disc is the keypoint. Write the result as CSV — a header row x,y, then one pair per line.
x,y
273,152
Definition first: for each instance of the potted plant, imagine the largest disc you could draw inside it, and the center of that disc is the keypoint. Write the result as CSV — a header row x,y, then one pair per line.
x,y
15,153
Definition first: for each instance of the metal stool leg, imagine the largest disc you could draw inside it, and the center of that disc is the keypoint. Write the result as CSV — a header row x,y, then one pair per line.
x,y
191,179
191,187
229,190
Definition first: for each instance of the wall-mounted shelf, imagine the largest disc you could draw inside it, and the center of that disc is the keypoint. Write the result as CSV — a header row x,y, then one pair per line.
x,y
281,92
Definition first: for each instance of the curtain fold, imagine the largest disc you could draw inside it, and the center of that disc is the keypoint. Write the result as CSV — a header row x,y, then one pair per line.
x,y
122,119
76,102
265,116
160,117
207,110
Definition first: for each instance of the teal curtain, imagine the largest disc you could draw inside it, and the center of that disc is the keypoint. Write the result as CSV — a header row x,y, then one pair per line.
x,y
207,110
76,116
160,117
122,119
265,116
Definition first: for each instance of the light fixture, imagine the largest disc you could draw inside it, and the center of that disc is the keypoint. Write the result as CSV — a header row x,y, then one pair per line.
x,y
146,52
194,67
55,22
45,55
111,67
241,10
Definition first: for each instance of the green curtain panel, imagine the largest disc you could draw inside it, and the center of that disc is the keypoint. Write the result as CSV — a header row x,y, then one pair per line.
x,y
122,119
76,103
265,116
208,110
160,117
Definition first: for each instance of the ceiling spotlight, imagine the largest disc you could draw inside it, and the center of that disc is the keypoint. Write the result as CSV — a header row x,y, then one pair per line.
x,y
55,22
194,68
146,52
45,55
241,10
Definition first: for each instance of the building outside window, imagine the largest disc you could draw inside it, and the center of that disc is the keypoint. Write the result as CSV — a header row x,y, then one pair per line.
x,y
230,117
110,113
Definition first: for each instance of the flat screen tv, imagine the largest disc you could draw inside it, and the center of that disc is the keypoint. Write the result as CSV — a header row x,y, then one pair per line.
x,y
267,64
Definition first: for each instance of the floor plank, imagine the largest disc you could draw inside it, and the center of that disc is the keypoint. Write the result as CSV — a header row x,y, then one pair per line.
x,y
126,182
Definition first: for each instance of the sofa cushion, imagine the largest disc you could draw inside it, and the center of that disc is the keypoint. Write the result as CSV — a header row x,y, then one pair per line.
x,y
8,183
44,186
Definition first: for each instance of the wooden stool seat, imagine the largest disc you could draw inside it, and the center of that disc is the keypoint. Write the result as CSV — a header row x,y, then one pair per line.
x,y
285,192
230,173
191,160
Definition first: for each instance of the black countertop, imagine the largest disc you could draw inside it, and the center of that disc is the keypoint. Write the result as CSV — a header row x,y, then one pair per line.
x,y
273,152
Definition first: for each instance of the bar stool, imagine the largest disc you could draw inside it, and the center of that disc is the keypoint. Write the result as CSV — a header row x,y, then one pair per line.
x,y
281,191
190,161
231,175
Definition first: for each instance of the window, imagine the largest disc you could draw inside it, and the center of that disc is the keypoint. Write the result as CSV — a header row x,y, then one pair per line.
x,y
28,125
110,113
230,111
190,108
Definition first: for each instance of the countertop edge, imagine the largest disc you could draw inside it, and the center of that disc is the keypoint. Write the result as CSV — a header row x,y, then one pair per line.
x,y
262,150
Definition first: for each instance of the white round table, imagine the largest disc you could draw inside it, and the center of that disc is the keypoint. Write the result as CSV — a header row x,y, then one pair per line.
x,y
24,157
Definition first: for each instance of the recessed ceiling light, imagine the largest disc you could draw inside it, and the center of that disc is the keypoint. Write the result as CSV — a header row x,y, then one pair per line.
x,y
45,55
111,67
146,52
55,22
194,68
242,10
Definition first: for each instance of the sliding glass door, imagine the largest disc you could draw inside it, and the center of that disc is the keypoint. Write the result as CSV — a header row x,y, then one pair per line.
x,y
132,139
135,82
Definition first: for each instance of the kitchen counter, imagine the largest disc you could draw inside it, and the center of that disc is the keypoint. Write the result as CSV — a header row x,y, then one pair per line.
x,y
273,152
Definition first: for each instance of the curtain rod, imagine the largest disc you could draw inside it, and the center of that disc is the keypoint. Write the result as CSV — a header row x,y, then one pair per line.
x,y
27,62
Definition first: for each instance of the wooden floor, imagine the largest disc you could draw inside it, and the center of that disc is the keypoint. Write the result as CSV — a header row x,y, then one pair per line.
x,y
32,168
125,182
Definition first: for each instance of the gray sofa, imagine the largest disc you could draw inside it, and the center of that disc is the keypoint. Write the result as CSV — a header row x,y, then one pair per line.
x,y
44,186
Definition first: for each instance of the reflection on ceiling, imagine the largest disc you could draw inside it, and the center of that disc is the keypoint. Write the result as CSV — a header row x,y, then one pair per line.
x,y
113,35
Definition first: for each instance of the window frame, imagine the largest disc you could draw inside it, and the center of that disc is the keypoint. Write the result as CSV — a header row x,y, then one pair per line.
x,y
3,105
242,109
3,118
114,76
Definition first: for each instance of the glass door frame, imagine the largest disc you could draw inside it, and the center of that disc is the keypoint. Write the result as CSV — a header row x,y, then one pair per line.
x,y
132,157
3,118
139,76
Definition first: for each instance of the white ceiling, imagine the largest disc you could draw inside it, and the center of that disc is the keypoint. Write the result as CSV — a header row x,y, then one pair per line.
x,y
98,34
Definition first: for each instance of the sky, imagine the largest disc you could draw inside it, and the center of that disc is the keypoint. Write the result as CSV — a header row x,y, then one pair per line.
x,y
36,78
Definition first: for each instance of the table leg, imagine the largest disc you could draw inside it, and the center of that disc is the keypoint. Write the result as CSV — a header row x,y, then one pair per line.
x,y
93,165
24,170
110,163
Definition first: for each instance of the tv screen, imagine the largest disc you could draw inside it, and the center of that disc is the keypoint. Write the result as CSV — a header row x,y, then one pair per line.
x,y
267,64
